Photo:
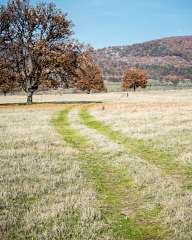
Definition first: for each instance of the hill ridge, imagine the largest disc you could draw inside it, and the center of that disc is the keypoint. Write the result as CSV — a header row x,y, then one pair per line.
x,y
168,59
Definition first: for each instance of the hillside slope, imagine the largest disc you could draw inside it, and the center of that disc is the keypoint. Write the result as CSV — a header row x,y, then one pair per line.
x,y
167,59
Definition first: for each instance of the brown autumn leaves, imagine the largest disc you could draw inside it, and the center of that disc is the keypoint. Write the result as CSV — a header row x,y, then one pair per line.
x,y
135,78
36,49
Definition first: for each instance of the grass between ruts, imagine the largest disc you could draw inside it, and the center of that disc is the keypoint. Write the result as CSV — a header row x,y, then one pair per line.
x,y
165,160
113,186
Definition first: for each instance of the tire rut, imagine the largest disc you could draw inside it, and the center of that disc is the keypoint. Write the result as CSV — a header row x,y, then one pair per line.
x,y
155,187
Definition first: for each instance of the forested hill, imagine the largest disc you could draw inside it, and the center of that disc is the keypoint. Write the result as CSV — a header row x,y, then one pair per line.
x,y
164,59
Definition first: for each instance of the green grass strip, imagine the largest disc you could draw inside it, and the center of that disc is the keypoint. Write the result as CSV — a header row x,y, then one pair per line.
x,y
62,124
112,185
161,158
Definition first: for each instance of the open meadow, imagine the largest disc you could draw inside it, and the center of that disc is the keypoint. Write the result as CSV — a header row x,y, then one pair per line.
x,y
97,166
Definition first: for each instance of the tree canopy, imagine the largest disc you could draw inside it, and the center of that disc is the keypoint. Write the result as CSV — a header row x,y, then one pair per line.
x,y
88,75
134,78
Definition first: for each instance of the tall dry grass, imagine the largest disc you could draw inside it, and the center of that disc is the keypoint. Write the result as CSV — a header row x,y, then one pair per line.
x,y
164,121
162,118
43,194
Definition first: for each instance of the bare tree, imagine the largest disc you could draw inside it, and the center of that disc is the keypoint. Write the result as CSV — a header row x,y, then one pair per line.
x,y
36,39
134,78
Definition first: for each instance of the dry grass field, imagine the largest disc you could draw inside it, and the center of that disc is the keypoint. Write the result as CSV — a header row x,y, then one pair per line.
x,y
116,170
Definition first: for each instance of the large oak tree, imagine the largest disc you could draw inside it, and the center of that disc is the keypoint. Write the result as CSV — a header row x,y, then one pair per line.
x,y
36,42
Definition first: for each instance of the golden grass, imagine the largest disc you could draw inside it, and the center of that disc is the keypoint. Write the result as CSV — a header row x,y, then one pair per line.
x,y
155,187
164,119
43,191
115,97
43,194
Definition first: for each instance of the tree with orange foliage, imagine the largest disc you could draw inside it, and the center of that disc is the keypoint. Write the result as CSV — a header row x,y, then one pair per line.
x,y
88,75
135,78
36,41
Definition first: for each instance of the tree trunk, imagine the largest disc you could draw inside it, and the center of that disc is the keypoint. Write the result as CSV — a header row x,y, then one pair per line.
x,y
5,93
29,97
134,87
